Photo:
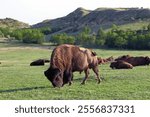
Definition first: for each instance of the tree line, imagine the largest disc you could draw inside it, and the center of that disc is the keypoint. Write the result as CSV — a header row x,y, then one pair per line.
x,y
115,38
25,35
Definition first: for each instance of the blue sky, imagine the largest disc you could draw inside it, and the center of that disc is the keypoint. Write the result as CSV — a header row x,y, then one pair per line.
x,y
34,11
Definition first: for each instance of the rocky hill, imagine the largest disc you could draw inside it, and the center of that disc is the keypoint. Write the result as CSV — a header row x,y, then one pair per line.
x,y
101,17
11,23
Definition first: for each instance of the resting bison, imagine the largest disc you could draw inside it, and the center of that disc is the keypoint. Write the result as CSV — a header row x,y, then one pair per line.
x,y
66,59
124,57
135,61
120,65
39,62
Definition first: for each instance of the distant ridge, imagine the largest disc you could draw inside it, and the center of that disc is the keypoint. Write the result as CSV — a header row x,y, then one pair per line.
x,y
12,23
101,17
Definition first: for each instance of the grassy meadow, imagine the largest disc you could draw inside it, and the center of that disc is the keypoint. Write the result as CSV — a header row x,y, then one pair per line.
x,y
20,81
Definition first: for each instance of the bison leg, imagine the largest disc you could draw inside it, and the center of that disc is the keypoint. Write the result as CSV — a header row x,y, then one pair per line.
x,y
68,77
86,76
96,71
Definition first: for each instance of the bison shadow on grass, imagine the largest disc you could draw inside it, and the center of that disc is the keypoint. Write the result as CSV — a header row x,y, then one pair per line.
x,y
21,89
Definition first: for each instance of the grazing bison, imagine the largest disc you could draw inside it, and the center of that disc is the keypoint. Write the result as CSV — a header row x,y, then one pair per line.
x,y
135,61
66,59
120,65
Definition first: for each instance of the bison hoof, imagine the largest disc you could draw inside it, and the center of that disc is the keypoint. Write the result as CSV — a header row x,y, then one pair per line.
x,y
99,81
70,83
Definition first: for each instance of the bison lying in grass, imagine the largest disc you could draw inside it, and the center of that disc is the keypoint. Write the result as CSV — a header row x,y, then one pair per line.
x,y
135,61
128,62
120,65
39,62
66,59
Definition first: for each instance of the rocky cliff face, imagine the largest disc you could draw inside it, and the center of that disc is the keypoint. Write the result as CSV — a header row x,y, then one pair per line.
x,y
101,17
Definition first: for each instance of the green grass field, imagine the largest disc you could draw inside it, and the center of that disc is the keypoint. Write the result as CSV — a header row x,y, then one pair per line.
x,y
19,81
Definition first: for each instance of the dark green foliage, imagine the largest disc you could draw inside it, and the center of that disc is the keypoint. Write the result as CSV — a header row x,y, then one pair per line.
x,y
5,31
62,39
45,30
148,27
128,39
115,38
33,36
17,34
85,37
24,35
100,37
1,34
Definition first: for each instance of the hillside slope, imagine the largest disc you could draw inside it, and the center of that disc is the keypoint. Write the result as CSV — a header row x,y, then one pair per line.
x,y
101,17
11,23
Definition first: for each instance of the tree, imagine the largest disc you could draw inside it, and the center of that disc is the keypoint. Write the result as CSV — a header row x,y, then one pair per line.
x,y
45,30
62,39
1,34
100,37
120,42
33,36
17,34
86,30
148,27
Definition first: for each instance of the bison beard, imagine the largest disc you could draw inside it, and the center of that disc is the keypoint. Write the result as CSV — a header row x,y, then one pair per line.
x,y
66,59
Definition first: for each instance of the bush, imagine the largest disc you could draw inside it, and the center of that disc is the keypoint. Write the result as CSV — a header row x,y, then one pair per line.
x,y
33,36
62,39
1,34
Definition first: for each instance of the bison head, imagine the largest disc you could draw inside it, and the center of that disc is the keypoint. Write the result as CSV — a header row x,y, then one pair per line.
x,y
147,60
113,64
55,77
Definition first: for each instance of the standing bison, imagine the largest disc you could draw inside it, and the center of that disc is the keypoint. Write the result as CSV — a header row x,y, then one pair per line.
x,y
66,59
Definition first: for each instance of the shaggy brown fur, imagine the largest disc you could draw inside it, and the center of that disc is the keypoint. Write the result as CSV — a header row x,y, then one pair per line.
x,y
120,65
124,57
66,59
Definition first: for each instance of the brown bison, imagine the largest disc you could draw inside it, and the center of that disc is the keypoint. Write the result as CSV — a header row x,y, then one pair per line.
x,y
66,59
135,61
120,65
124,57
39,62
